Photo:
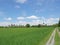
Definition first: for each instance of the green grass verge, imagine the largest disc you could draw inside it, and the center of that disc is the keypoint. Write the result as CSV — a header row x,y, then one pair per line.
x,y
57,39
25,36
59,28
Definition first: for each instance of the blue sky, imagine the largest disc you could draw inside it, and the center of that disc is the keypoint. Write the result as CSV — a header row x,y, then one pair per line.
x,y
29,11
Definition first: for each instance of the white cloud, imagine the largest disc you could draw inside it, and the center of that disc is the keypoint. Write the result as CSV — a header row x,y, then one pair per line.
x,y
5,23
21,1
32,17
33,22
36,22
21,21
17,6
51,21
20,18
8,19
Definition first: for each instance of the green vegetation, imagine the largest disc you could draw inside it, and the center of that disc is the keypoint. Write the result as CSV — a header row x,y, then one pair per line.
x,y
59,28
59,23
25,36
27,25
57,39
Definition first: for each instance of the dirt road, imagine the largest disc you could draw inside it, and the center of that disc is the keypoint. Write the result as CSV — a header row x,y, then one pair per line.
x,y
51,40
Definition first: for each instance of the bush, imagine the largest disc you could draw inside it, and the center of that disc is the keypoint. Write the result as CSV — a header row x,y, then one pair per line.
x,y
39,25
27,25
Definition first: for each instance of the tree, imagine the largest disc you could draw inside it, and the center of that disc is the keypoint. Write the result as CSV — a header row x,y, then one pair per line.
x,y
59,22
39,25
27,25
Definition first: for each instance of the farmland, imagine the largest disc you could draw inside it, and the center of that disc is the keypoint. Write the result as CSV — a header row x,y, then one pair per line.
x,y
25,36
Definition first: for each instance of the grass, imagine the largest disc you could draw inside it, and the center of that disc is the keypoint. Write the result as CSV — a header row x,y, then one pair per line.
x,y
57,39
59,28
25,36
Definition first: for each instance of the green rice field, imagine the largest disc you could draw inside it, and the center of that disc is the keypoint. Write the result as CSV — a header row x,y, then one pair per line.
x,y
25,36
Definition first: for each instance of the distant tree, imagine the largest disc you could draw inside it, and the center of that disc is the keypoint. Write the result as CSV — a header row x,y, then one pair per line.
x,y
12,25
39,25
59,23
27,25
34,26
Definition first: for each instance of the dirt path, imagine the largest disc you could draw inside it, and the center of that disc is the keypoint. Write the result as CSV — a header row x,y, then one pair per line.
x,y
51,39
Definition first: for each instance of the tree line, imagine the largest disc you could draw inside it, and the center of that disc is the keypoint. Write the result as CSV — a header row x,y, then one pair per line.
x,y
23,26
28,25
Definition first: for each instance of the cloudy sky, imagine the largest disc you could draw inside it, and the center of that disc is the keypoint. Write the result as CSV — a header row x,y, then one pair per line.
x,y
29,11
